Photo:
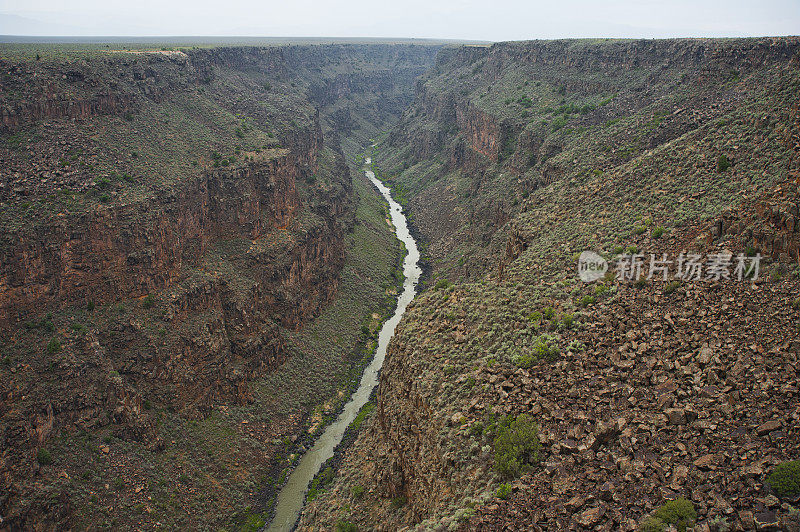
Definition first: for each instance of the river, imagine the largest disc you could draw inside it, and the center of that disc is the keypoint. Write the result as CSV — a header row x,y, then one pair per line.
x,y
291,496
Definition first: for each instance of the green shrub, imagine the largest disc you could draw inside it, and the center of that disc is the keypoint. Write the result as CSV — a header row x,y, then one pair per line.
x,y
362,415
796,304
723,163
525,101
535,316
585,301
44,457
544,348
90,306
477,428
558,123
639,230
680,513
652,524
357,492
671,287
548,313
399,502
576,345
508,148
442,284
54,346
345,526
46,323
148,301
504,491
785,479
252,522
516,445
719,524
657,232
320,482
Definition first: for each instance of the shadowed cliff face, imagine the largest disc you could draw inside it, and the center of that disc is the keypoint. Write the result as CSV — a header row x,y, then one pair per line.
x,y
515,158
192,204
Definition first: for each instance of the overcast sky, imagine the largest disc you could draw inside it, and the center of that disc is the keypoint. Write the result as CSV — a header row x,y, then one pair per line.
x,y
492,20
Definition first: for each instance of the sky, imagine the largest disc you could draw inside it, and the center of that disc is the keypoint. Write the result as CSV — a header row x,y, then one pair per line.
x,y
489,20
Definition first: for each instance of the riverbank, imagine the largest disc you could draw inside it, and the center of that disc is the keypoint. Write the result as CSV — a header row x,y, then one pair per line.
x,y
331,352
291,497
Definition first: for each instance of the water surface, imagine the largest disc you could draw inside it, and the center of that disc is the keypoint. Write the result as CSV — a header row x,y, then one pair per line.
x,y
290,498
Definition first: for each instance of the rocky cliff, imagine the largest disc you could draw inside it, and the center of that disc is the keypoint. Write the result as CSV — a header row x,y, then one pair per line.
x,y
169,219
491,124
523,398
130,250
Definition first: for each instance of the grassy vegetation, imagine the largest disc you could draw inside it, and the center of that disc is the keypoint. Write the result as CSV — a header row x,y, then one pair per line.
x,y
503,492
544,348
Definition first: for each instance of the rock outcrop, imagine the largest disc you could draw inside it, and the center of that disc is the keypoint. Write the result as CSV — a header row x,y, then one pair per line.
x,y
507,118
189,203
644,390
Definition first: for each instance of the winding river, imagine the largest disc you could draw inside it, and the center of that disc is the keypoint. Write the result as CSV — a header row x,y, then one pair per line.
x,y
291,496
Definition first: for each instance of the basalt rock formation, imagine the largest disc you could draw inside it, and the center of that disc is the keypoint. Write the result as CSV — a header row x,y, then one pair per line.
x,y
169,218
514,117
513,160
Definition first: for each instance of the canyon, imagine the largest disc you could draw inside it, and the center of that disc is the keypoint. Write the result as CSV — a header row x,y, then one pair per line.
x,y
175,226
646,395
194,271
